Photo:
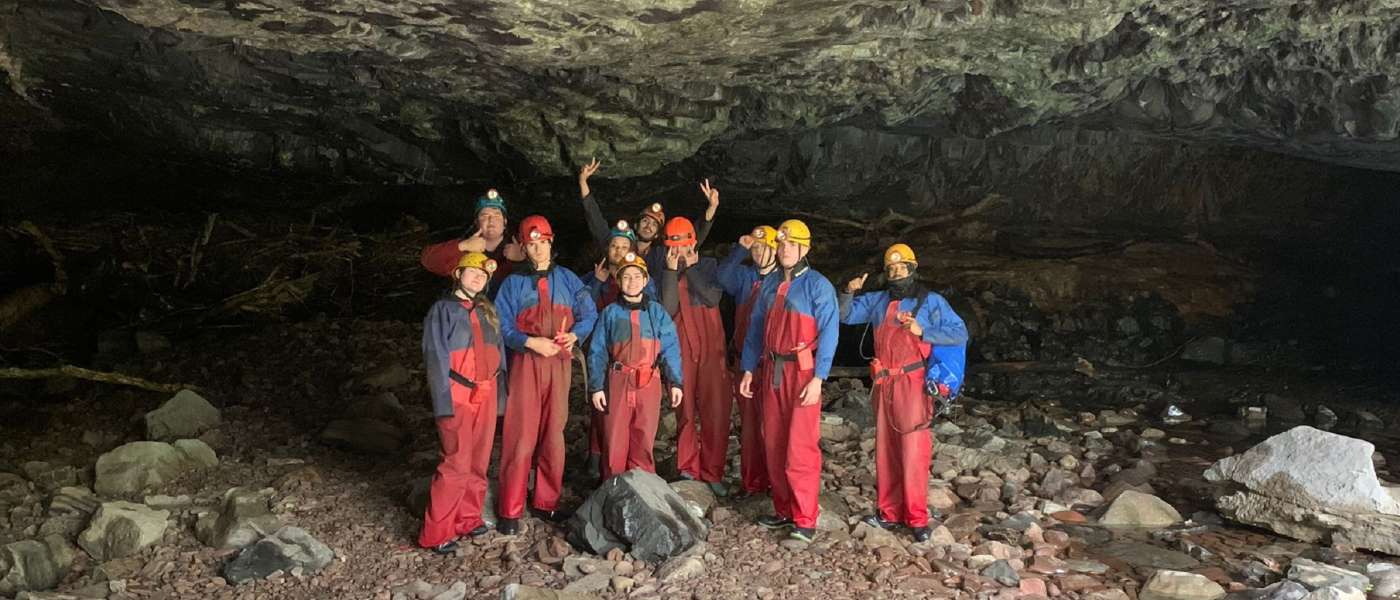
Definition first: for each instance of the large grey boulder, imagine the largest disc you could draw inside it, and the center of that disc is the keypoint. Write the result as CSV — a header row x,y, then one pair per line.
x,y
288,548
1314,486
1314,468
637,512
141,466
185,415
34,565
120,529
243,517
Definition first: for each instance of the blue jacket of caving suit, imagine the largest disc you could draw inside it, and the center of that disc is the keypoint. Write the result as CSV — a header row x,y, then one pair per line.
x,y
943,329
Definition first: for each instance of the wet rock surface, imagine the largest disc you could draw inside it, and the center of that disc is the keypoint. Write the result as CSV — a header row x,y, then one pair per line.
x,y
639,513
1313,485
664,83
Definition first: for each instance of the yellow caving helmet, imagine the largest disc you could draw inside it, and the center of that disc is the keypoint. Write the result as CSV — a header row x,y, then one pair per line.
x,y
632,260
900,253
767,235
477,260
795,231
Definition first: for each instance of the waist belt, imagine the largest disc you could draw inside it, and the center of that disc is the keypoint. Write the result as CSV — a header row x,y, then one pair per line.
x,y
636,382
460,378
778,358
877,372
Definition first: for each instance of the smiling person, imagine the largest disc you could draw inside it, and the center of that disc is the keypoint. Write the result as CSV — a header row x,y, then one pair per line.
x,y
462,353
633,341
545,311
691,293
487,236
603,287
790,343
648,224
920,344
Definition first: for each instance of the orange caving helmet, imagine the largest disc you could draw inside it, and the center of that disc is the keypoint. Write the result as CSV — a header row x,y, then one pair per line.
x,y
534,228
655,213
632,260
679,232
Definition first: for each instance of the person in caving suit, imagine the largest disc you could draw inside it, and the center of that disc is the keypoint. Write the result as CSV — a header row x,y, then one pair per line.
x,y
488,236
648,224
603,287
545,311
691,293
633,342
790,343
462,353
920,350
742,281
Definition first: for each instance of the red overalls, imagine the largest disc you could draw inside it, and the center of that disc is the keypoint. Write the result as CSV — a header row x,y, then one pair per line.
x,y
903,442
597,439
459,486
634,402
706,390
791,432
538,407
753,464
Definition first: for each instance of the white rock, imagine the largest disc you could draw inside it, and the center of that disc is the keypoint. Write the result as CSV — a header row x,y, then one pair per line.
x,y
120,529
1178,585
1313,468
1135,509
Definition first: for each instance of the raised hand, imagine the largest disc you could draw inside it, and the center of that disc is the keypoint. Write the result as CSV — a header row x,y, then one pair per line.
x,y
472,243
746,241
673,258
711,196
855,284
600,270
513,251
909,322
583,174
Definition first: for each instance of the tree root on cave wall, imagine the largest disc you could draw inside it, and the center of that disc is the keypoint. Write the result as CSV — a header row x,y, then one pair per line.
x,y
91,375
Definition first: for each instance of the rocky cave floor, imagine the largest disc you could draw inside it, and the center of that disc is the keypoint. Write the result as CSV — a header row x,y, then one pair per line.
x,y
280,386
305,338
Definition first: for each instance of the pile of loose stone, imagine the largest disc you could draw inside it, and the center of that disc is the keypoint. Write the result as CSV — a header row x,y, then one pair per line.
x,y
55,514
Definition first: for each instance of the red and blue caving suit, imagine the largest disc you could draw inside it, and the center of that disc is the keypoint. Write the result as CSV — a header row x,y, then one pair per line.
x,y
792,338
904,366
631,344
538,304
605,293
462,353
741,281
692,296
